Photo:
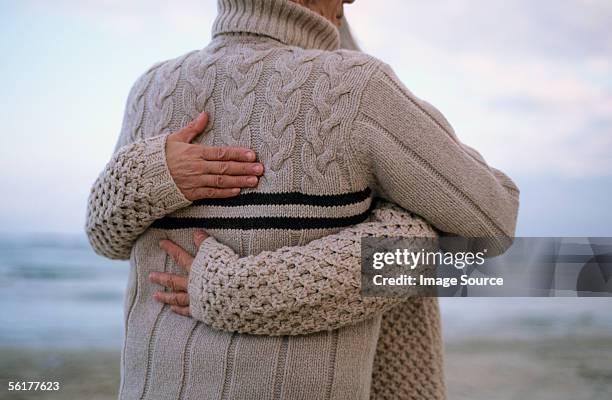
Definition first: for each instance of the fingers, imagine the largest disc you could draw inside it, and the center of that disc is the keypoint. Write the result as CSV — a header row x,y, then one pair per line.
x,y
233,168
210,193
178,254
180,299
227,154
176,283
179,302
227,181
210,186
191,131
199,237
184,311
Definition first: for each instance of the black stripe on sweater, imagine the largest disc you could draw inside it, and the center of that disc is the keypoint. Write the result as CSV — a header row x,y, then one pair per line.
x,y
289,223
257,199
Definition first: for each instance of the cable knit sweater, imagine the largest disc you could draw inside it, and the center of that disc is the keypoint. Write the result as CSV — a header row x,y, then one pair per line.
x,y
275,295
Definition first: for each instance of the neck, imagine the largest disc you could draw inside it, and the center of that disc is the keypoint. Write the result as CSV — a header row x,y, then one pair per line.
x,y
281,20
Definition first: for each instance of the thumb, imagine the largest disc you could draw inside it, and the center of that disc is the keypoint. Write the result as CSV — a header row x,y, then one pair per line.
x,y
188,133
199,237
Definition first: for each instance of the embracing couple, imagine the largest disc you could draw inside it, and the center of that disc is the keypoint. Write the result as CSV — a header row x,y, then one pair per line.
x,y
243,180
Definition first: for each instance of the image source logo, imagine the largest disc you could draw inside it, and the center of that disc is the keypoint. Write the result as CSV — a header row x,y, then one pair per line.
x,y
454,266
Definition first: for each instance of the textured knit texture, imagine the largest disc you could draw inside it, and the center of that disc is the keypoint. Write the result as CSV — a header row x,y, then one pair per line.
x,y
333,128
251,295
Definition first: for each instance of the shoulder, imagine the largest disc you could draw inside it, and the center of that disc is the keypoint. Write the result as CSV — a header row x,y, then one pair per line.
x,y
375,67
384,78
160,72
384,86
362,69
344,69
348,59
386,96
334,59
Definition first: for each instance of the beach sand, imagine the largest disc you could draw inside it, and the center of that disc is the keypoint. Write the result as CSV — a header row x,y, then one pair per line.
x,y
83,375
560,368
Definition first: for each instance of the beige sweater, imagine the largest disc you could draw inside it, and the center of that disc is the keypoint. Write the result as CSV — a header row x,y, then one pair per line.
x,y
275,296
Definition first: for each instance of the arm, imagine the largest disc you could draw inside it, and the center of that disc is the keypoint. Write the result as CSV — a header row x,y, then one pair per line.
x,y
294,290
418,162
149,178
134,189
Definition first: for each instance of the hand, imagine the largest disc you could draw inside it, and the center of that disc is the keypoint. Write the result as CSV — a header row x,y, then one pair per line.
x,y
203,172
178,298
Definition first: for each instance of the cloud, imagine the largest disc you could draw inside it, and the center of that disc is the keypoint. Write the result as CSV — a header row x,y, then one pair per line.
x,y
571,27
524,82
528,83
133,16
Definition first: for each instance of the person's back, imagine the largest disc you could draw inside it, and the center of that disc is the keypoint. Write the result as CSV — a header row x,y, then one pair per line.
x,y
295,107
333,129
279,86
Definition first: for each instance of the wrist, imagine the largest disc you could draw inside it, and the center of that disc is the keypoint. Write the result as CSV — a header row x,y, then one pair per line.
x,y
198,279
166,195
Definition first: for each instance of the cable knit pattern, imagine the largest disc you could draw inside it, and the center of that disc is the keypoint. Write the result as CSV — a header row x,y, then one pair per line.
x,y
200,77
334,129
161,97
133,120
135,112
327,125
284,100
244,71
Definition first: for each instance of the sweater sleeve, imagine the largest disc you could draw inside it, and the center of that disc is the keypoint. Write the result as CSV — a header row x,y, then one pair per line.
x,y
294,290
416,161
134,189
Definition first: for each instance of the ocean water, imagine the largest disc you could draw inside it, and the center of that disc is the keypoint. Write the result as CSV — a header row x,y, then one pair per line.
x,y
55,292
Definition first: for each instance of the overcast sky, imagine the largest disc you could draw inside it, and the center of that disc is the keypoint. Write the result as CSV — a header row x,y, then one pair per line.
x,y
528,83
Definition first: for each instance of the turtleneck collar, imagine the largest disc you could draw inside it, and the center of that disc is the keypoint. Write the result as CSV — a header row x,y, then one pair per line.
x,y
282,20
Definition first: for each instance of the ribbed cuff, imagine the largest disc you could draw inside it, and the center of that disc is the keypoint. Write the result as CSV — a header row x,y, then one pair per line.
x,y
197,278
164,192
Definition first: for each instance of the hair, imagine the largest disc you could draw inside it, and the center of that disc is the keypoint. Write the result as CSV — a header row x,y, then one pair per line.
x,y
347,40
